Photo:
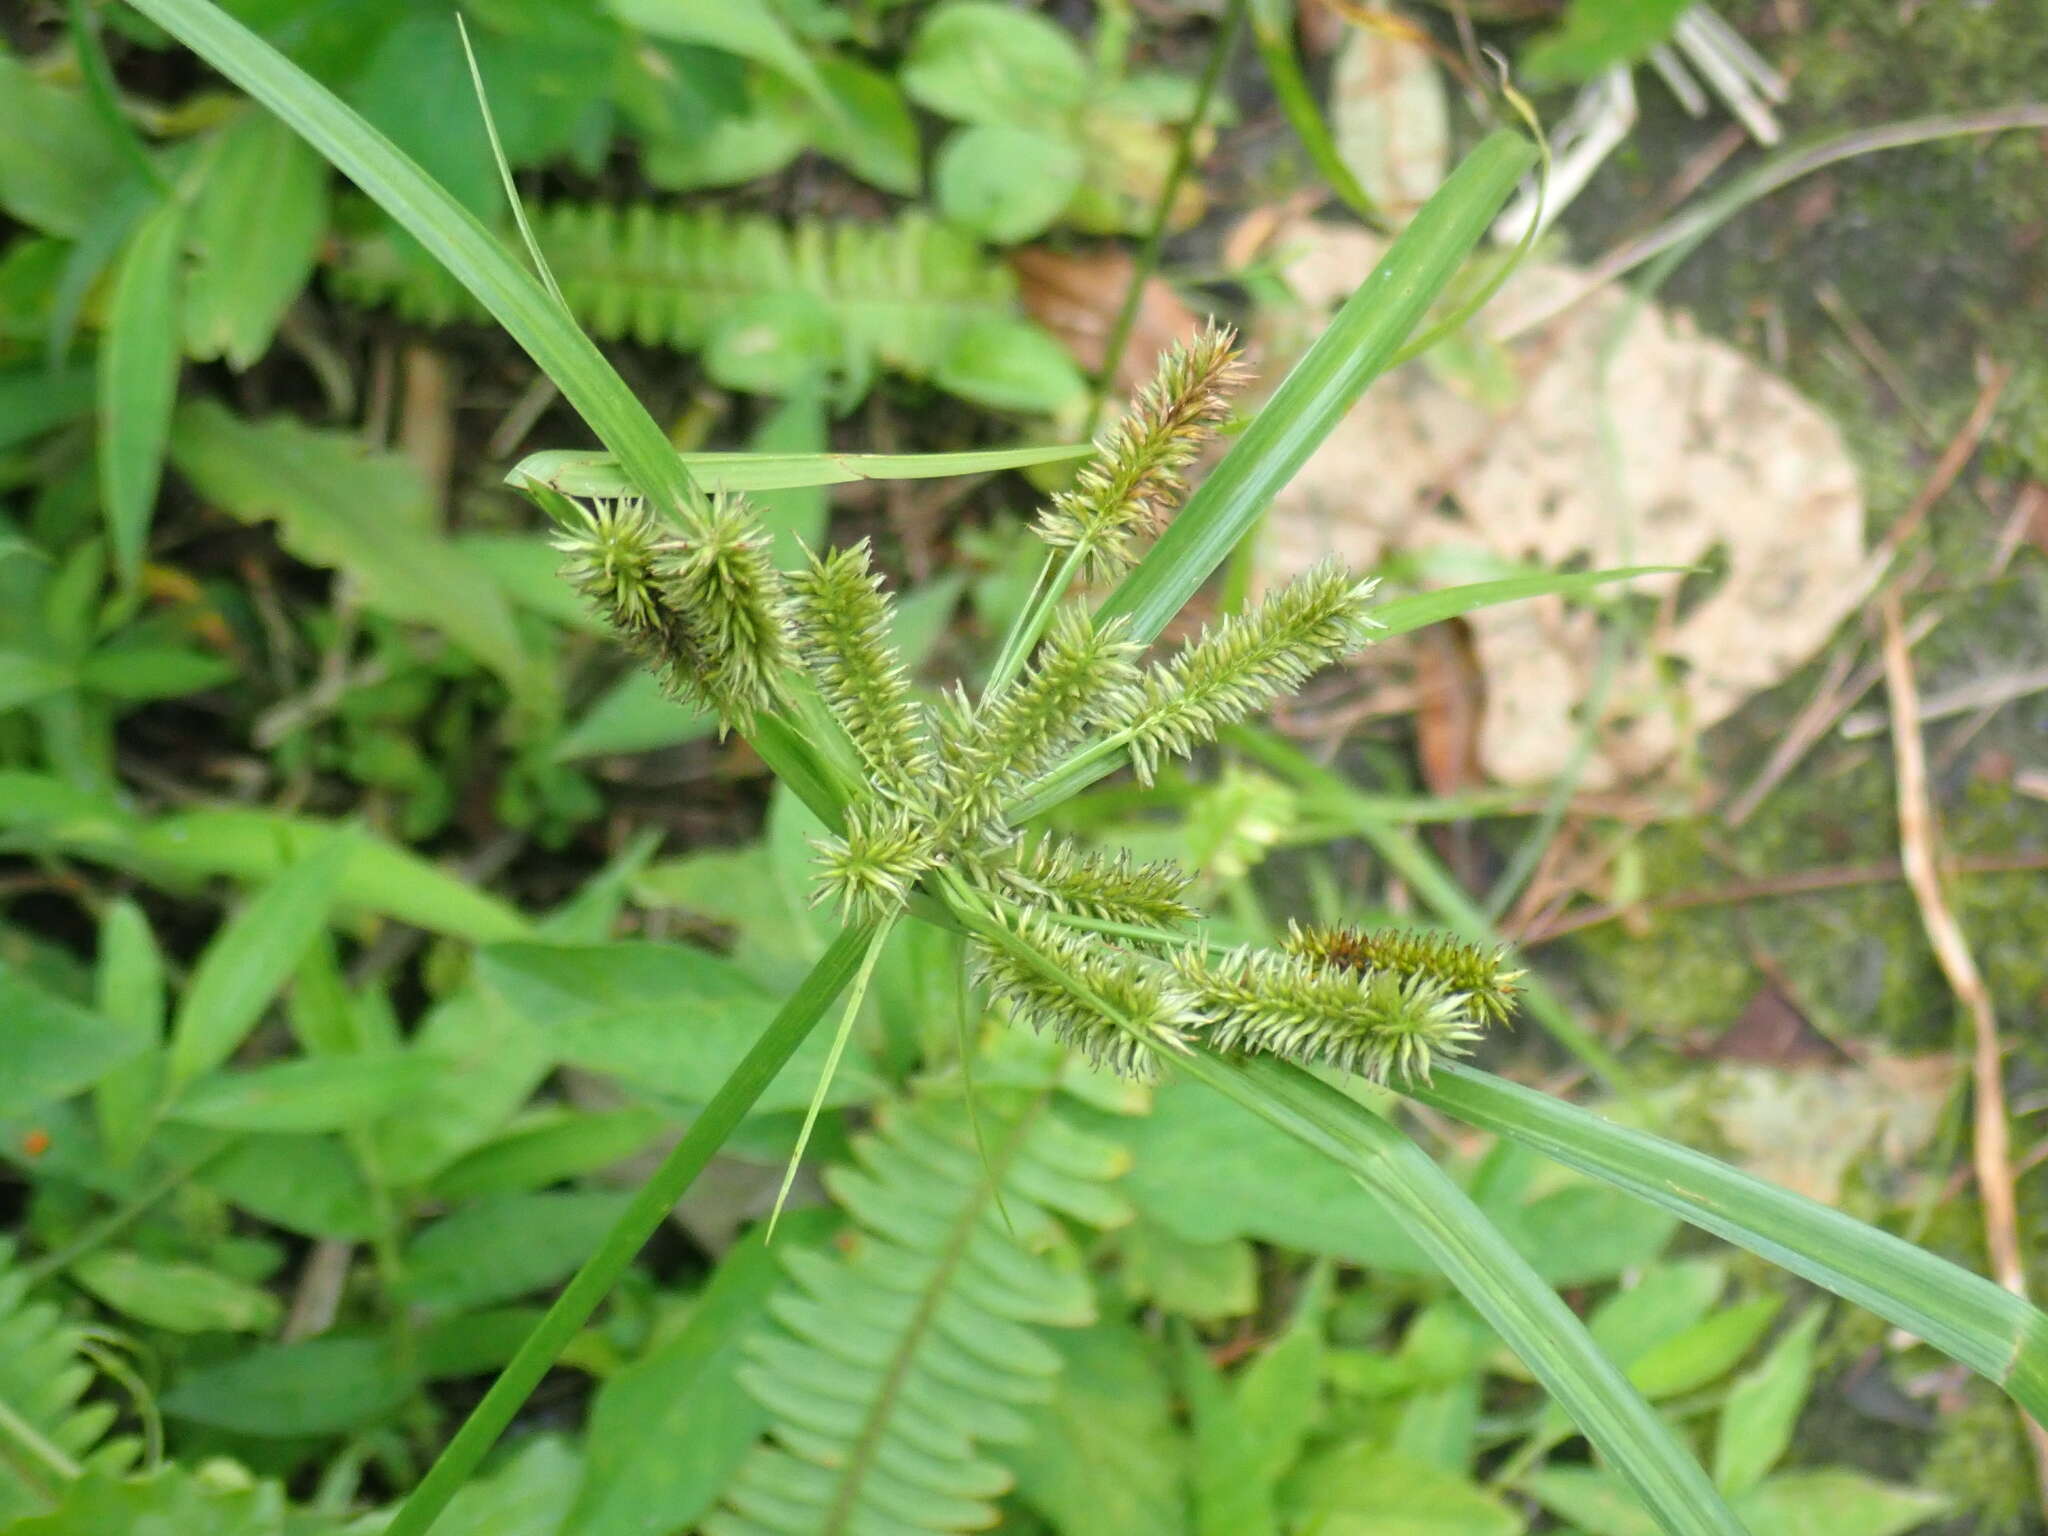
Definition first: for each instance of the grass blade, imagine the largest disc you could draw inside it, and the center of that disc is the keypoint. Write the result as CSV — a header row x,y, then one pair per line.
x,y
1491,1275
598,474
473,254
455,236
1964,1315
1358,346
650,1207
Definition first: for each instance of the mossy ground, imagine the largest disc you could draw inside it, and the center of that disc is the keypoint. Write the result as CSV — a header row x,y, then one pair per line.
x,y
1942,252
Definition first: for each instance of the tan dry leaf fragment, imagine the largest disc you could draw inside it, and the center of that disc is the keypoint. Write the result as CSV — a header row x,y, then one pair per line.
x,y
1714,460
1806,1129
1391,117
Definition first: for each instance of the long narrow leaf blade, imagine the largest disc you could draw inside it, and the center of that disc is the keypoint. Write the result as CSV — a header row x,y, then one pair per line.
x,y
1497,1280
1358,346
451,232
1965,1316
599,475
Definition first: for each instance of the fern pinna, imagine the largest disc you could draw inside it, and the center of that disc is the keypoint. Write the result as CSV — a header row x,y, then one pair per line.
x,y
1102,955
897,1359
49,1435
771,306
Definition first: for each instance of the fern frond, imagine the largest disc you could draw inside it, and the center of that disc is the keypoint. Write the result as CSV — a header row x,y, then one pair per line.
x,y
914,296
870,870
899,1356
1378,1024
1082,675
842,623
1481,976
1243,663
730,598
1133,482
1057,873
47,1425
1115,1008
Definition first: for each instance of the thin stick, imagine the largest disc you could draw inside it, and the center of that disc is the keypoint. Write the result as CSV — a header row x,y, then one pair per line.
x,y
1990,1144
1831,701
1799,883
1147,259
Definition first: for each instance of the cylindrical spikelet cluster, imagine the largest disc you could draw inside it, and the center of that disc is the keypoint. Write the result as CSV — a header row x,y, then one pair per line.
x,y
1083,674
1379,1024
1481,976
1116,1009
842,623
1240,665
1134,480
1057,874
701,605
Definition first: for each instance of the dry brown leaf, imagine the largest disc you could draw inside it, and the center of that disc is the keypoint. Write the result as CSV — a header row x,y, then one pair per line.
x,y
1714,459
1805,1129
1391,117
1077,299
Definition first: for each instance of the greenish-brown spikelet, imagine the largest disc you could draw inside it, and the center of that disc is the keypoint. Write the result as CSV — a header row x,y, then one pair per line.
x,y
1134,480
842,625
616,554
870,869
1064,983
1241,664
1377,1024
1481,974
730,595
1056,873
1081,676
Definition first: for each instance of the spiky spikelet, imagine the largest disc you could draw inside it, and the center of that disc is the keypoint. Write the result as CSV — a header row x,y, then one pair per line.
x,y
1378,1024
1081,676
1118,1010
870,870
842,624
1133,482
1057,874
734,603
1240,665
618,559
1481,975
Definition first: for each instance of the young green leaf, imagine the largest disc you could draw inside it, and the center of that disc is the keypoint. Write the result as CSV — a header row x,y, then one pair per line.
x,y
249,960
320,1094
184,1298
131,996
138,383
52,1048
256,228
1756,1423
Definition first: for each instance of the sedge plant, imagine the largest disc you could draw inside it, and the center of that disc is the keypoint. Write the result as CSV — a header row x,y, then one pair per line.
x,y
927,809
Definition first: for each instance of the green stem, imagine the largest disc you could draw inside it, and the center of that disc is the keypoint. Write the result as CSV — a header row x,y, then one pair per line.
x,y
649,1208
1147,260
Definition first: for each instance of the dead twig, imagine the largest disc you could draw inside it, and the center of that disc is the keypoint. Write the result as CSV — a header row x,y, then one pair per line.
x,y
1799,883
1991,1149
